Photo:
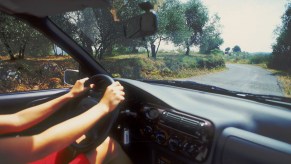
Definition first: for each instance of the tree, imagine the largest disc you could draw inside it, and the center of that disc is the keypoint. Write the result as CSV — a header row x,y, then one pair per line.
x,y
17,37
6,36
211,39
196,18
236,48
172,25
281,55
92,28
226,51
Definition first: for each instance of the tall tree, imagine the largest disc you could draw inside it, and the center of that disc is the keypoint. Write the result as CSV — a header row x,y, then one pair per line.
x,y
92,28
172,25
196,18
282,48
211,38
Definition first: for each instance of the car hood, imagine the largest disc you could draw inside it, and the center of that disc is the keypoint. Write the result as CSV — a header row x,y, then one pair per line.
x,y
43,8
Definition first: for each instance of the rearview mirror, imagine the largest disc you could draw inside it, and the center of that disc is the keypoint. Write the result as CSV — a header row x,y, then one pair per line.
x,y
141,25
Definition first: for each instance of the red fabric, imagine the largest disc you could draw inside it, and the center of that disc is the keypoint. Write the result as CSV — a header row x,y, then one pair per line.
x,y
52,159
80,159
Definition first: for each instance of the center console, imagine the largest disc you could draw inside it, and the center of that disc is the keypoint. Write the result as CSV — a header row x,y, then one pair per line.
x,y
182,134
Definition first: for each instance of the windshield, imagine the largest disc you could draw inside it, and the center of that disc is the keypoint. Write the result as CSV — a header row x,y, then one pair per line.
x,y
237,45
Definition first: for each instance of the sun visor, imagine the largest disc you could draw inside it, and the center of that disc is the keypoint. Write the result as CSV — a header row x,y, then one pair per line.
x,y
42,8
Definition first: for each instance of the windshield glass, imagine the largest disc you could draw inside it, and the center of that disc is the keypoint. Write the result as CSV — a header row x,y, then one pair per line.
x,y
237,45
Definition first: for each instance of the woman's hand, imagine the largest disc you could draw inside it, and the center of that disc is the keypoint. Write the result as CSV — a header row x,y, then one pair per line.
x,y
79,87
113,95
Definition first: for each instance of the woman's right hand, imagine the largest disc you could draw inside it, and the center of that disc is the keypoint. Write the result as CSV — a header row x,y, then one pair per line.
x,y
113,95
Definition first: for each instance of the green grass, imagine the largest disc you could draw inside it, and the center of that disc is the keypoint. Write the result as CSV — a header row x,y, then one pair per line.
x,y
245,58
139,66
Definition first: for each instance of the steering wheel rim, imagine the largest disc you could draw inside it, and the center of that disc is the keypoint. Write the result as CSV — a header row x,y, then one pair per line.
x,y
93,139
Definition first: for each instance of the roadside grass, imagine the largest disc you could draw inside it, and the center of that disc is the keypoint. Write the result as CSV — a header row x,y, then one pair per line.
x,y
4,58
284,78
35,73
165,67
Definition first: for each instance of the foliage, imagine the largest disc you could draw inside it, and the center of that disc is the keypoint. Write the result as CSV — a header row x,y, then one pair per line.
x,y
174,24
259,59
217,52
281,55
211,38
167,67
236,48
17,38
99,32
226,51
247,58
171,25
196,18
34,73
94,29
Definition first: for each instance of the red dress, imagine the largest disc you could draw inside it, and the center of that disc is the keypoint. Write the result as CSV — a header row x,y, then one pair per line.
x,y
54,159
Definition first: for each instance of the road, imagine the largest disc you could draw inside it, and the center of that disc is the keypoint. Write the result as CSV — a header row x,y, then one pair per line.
x,y
244,78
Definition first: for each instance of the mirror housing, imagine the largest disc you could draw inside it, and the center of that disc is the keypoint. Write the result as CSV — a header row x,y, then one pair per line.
x,y
71,76
141,25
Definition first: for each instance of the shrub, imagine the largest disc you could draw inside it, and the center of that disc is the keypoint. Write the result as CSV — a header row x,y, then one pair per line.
x,y
169,66
259,59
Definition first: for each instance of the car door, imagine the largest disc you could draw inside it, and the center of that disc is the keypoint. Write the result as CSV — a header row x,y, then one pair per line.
x,y
31,69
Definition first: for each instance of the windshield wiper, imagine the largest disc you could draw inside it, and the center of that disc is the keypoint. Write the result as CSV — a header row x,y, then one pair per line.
x,y
270,99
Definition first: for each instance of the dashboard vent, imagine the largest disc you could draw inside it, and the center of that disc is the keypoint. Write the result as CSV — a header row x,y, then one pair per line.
x,y
190,122
173,117
183,123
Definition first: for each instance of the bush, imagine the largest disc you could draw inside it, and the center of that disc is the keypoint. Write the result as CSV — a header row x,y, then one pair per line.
x,y
259,59
169,66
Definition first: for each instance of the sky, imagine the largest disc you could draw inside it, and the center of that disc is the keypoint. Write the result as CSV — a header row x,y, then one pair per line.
x,y
248,23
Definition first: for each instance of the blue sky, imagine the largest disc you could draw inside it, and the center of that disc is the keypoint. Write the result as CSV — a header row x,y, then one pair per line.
x,y
248,23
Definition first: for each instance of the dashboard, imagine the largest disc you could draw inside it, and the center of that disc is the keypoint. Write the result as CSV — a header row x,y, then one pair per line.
x,y
162,124
177,125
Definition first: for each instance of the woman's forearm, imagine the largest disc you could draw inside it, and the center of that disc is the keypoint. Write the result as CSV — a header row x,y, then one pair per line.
x,y
70,130
29,117
51,140
63,134
25,149
33,115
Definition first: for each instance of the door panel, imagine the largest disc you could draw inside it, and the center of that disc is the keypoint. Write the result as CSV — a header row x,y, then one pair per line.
x,y
14,102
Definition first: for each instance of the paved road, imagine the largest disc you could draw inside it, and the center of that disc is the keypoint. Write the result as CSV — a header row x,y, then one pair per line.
x,y
243,77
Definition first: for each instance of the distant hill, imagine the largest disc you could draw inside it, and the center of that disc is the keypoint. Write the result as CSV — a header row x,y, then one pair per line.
x,y
261,53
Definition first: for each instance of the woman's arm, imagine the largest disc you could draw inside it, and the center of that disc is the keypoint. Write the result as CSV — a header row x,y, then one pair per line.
x,y
25,149
31,116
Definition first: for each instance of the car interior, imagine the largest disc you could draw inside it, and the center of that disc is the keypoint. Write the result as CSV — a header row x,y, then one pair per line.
x,y
159,122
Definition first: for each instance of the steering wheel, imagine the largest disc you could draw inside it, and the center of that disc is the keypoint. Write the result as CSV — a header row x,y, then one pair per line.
x,y
96,135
